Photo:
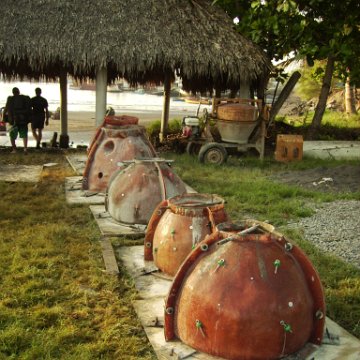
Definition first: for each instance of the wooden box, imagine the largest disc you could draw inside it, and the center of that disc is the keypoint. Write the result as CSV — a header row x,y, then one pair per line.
x,y
289,148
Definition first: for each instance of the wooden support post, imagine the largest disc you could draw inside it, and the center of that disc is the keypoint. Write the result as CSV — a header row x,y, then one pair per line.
x,y
262,139
166,108
244,90
101,87
215,101
64,137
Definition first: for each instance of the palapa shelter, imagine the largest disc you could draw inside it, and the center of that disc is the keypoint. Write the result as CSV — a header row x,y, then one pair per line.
x,y
141,41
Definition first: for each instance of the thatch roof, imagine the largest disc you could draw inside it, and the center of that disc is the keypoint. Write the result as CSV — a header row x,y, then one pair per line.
x,y
135,39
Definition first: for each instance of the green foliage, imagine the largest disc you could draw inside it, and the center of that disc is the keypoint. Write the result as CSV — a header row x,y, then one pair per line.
x,y
153,129
311,28
174,126
308,86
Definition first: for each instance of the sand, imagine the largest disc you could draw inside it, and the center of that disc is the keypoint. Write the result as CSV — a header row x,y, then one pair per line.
x,y
84,121
82,126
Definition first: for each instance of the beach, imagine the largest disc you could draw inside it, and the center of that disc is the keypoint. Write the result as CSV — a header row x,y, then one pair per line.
x,y
81,108
82,125
80,121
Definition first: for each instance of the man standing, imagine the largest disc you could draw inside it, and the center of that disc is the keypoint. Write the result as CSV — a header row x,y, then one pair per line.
x,y
40,115
18,110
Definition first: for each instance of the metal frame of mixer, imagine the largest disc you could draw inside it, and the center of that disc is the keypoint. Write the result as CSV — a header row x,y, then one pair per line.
x,y
216,152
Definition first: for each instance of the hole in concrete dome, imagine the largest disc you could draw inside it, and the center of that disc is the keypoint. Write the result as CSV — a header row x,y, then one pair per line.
x,y
109,147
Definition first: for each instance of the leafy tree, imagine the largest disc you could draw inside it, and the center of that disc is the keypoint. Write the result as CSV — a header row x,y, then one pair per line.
x,y
309,84
335,37
314,29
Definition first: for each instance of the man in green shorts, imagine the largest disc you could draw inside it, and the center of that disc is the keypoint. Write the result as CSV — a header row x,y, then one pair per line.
x,y
18,109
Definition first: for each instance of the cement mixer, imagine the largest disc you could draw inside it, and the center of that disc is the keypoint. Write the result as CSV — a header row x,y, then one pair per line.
x,y
240,124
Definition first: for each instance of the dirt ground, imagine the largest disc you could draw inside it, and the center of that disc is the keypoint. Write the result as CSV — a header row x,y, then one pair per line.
x,y
344,178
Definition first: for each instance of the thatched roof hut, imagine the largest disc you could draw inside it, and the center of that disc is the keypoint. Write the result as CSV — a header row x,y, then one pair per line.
x,y
137,40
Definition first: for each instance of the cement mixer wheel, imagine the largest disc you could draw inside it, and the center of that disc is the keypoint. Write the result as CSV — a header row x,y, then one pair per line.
x,y
193,148
213,153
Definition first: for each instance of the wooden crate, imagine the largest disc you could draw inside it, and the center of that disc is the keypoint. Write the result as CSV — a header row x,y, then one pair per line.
x,y
289,148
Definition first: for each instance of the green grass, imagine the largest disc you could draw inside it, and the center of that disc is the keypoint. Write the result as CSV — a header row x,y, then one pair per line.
x,y
56,302
249,193
246,185
341,284
334,126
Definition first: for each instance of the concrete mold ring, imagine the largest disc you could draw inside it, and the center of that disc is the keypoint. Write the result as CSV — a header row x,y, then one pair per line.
x,y
251,296
134,191
178,225
111,146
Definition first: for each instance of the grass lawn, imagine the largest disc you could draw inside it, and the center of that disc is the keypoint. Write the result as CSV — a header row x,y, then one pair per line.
x,y
56,302
244,184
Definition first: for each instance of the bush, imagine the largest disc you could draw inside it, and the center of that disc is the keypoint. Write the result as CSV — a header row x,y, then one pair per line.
x,y
153,129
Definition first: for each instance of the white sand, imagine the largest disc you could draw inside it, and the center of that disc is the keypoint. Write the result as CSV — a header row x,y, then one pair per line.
x,y
85,120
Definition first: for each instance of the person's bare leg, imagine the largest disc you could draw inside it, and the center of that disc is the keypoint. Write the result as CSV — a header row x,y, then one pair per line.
x,y
25,140
35,135
13,145
39,138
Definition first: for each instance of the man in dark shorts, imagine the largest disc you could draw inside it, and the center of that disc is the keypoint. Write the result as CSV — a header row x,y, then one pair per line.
x,y
18,110
40,115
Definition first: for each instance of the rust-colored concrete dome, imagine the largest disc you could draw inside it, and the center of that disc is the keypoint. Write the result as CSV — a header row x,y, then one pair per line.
x,y
251,296
178,225
135,191
114,142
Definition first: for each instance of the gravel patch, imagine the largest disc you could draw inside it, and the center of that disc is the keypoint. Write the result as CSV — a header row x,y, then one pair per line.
x,y
335,228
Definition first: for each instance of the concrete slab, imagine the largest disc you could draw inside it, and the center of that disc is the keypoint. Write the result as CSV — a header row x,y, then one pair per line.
x,y
346,347
338,150
109,257
152,319
148,285
20,173
76,195
109,227
338,344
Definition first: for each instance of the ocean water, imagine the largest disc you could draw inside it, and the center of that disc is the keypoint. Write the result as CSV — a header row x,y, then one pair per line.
x,y
84,100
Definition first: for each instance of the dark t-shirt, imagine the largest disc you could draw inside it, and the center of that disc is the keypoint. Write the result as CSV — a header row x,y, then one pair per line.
x,y
39,104
18,107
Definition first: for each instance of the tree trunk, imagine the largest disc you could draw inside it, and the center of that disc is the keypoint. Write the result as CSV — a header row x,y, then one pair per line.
x,y
350,107
284,95
324,94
